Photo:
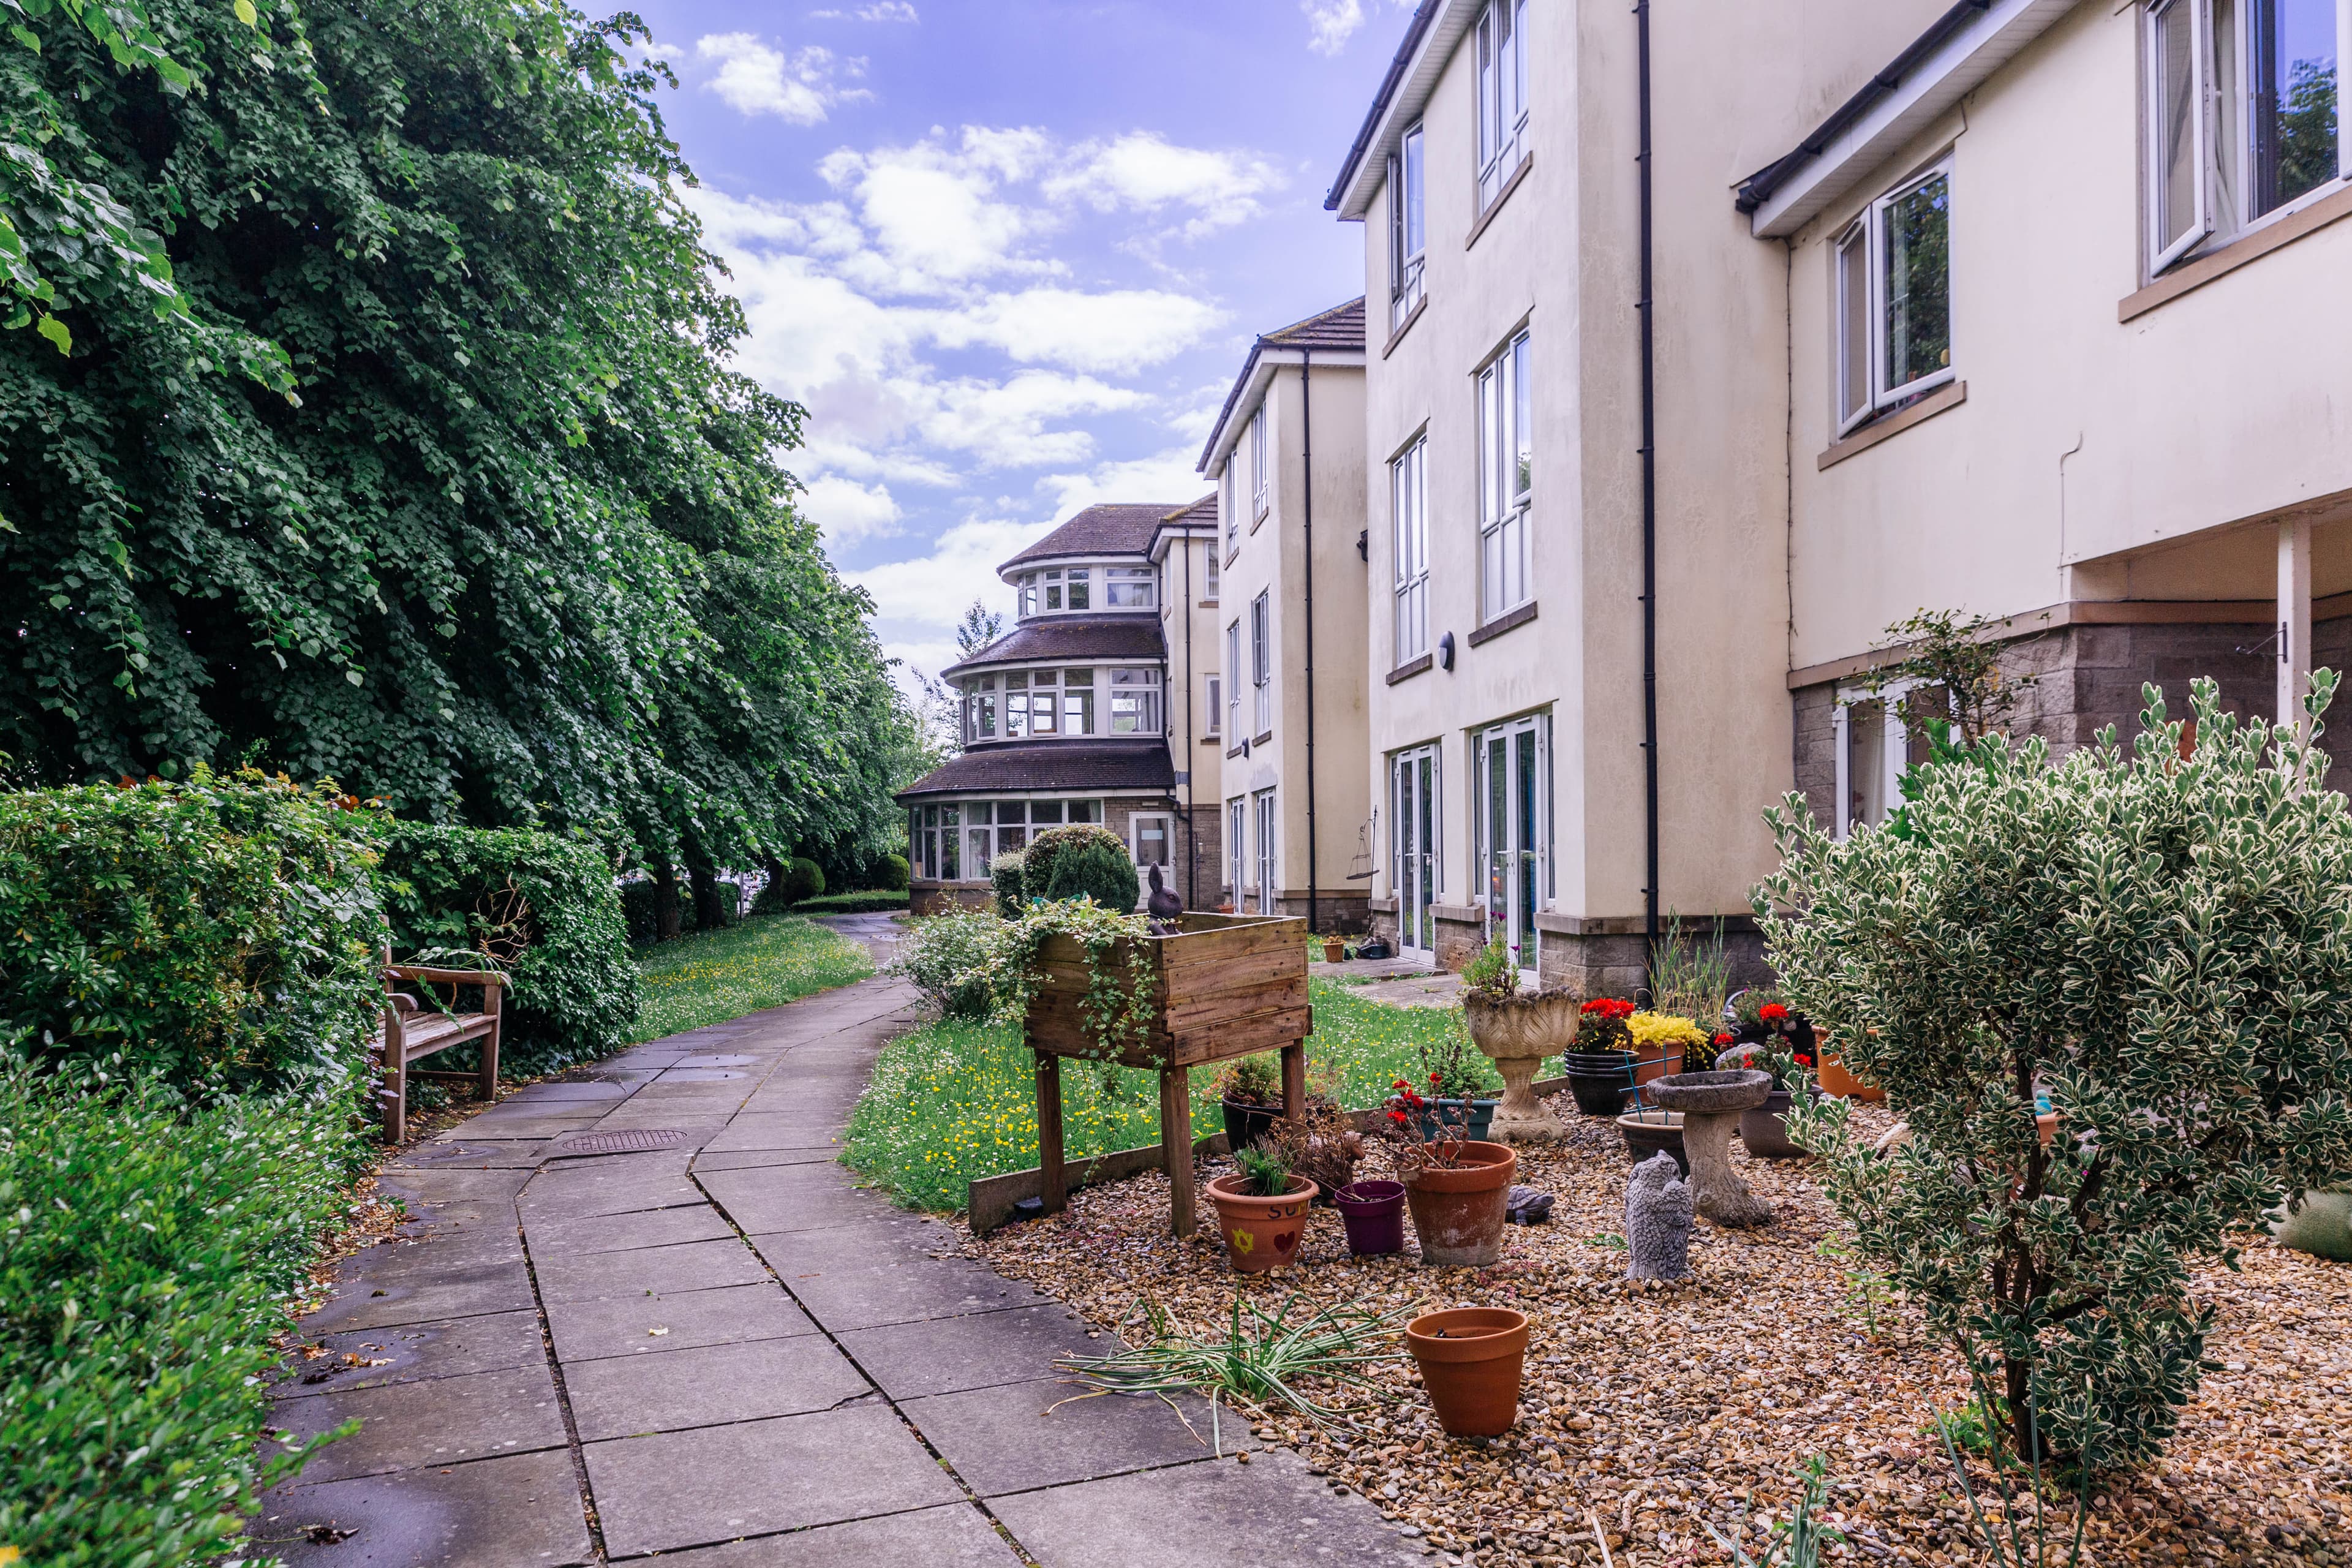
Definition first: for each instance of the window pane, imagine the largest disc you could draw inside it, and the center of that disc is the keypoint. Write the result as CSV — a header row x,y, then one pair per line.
x,y
2175,94
1918,282
1853,325
1866,763
1044,813
1415,238
2291,73
1522,423
1085,811
1078,590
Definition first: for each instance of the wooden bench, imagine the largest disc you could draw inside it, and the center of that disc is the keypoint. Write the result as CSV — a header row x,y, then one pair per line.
x,y
412,1032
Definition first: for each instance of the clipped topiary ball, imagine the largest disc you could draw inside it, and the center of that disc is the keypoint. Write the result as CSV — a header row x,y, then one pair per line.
x,y
1004,876
804,879
894,873
1081,862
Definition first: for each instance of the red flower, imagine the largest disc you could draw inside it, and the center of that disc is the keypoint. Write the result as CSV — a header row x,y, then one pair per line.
x,y
1804,1061
1400,1084
1436,1077
1771,1012
1722,1039
1397,1117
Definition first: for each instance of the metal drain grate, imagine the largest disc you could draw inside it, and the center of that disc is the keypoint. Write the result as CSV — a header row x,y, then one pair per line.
x,y
629,1141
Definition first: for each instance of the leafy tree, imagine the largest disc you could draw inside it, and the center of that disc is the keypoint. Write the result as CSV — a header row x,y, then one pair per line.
x,y
1950,674
980,627
2160,945
396,440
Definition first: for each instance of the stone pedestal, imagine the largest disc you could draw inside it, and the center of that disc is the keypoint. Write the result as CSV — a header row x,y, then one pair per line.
x,y
1516,1033
1710,1103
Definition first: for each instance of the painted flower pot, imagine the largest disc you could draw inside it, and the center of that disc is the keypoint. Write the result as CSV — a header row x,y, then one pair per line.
x,y
1246,1124
1836,1081
1458,1215
1373,1213
1481,1113
1260,1233
1765,1129
1471,1358
1649,1133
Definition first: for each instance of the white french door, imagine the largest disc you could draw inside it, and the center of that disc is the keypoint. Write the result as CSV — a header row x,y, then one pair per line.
x,y
1262,810
1413,862
1514,811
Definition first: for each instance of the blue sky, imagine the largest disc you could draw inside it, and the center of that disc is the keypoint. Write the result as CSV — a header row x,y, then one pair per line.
x,y
1010,253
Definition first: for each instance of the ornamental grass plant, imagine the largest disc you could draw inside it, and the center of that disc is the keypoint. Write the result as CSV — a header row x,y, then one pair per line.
x,y
2159,939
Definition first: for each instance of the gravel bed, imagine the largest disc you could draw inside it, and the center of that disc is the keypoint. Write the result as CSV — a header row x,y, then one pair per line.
x,y
1656,1412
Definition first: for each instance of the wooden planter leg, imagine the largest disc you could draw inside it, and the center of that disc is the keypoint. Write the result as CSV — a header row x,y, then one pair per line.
x,y
1294,1079
1052,1185
1176,1145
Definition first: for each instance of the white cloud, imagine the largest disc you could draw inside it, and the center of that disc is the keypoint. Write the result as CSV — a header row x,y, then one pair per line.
x,y
798,87
1110,330
931,591
847,511
880,11
1004,424
935,210
1144,172
1331,23
1165,476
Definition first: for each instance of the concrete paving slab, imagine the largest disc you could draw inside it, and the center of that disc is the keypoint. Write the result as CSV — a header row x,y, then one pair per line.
x,y
555,1196
775,1130
1003,1440
440,1421
556,1091
519,1511
956,1536
977,1350
551,1238
656,1325
720,1483
532,1122
794,1197
852,1279
648,1271
709,1385
1270,1511
438,1186
757,1159
369,1358
361,1304
436,1254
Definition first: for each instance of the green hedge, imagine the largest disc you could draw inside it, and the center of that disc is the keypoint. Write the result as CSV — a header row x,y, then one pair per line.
x,y
223,934
147,1253
543,909
868,903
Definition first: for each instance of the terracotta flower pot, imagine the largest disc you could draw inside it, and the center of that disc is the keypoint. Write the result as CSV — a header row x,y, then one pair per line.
x,y
1471,1358
1835,1079
1260,1233
1459,1213
1334,949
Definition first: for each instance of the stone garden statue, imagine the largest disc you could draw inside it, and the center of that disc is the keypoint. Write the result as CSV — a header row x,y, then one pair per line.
x,y
1658,1219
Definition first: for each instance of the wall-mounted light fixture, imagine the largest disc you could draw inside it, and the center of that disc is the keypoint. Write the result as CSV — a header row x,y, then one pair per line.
x,y
1446,651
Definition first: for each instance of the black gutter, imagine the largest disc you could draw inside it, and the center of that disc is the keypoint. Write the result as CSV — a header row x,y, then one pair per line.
x,y
1647,306
1192,757
1306,459
1415,30
1759,186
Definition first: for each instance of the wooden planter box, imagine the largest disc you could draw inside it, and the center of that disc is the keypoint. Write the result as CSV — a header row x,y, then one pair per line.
x,y
1223,986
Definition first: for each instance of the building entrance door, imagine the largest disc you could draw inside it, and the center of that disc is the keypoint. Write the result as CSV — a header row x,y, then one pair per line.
x,y
1515,835
1412,866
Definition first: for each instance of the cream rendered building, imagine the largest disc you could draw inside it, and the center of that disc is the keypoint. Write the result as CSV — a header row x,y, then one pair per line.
x,y
2031,308
1286,456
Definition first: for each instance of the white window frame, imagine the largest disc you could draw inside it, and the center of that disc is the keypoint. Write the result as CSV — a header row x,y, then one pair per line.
x,y
1026,606
1408,522
1209,585
1502,94
1120,583
1213,693
1506,411
2200,92
1265,826
1869,230
1431,818
1233,669
1139,685
1262,660
1230,488
1261,479
1536,730
1236,847
1407,225
1167,840
1894,748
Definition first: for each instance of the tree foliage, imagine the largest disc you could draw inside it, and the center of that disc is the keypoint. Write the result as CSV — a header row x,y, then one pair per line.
x,y
394,438
2159,944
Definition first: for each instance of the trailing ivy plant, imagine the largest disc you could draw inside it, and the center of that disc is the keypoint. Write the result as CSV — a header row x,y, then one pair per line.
x,y
1122,999
2159,941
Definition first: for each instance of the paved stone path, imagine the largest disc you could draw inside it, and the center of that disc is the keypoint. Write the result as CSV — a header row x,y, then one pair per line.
x,y
725,1352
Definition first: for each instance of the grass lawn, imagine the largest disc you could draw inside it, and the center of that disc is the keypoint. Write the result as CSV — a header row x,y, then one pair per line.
x,y
712,976
954,1103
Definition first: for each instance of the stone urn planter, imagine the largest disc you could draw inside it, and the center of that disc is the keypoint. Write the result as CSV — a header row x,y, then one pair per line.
x,y
1459,1213
1260,1233
2322,1225
1516,1033
1710,1104
1650,1132
1471,1358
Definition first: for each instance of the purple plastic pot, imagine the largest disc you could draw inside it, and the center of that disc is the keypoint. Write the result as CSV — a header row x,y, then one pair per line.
x,y
1373,1213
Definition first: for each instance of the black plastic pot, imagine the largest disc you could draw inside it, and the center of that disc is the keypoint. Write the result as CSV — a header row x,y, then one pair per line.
x,y
1647,1136
1246,1124
1599,1079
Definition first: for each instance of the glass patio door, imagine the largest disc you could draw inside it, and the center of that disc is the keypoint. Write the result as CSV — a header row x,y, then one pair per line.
x,y
1412,866
1262,805
1515,834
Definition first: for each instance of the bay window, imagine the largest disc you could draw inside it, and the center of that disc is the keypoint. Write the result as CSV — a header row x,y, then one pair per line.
x,y
1894,299
1077,703
1506,478
1409,517
980,709
1502,95
1130,587
2242,116
1025,602
955,842
1135,702
1408,229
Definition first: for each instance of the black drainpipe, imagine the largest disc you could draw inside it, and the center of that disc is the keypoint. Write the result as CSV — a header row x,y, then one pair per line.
x,y
1191,759
1645,305
1306,456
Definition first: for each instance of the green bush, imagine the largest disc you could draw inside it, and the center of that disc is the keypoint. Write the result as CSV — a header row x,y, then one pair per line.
x,y
639,920
1082,861
543,909
2159,943
871,901
1005,877
956,960
147,1252
894,873
223,934
803,881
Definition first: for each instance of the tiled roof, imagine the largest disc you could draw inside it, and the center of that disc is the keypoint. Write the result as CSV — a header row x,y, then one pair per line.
x,y
1127,766
1202,513
1341,327
1057,639
1110,529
